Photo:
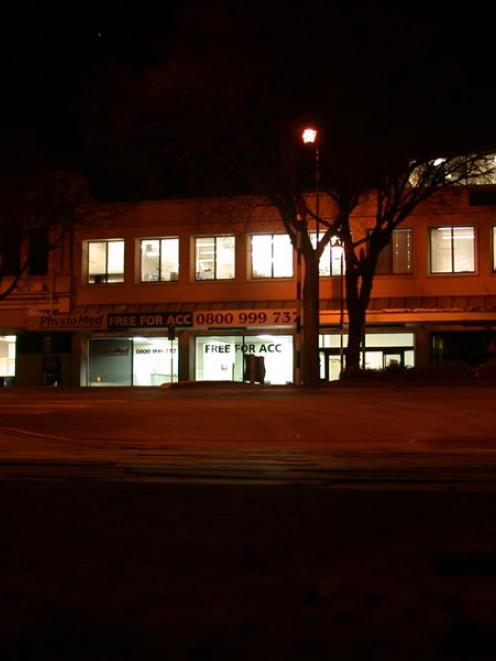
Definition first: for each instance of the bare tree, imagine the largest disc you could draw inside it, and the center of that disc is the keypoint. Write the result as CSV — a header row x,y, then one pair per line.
x,y
398,188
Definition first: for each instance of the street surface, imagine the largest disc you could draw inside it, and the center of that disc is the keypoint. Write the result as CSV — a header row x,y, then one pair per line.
x,y
337,437
216,523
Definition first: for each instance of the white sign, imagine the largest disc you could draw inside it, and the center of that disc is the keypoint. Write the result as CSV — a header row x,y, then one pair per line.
x,y
227,318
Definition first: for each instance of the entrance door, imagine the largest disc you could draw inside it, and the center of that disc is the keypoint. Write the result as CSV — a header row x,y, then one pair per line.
x,y
330,365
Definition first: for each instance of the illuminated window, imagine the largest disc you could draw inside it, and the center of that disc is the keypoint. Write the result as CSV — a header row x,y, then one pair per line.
x,y
397,257
7,355
332,259
159,260
452,250
271,256
106,261
494,248
214,258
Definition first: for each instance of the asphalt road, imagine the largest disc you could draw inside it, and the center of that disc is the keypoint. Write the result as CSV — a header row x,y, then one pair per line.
x,y
335,438
219,524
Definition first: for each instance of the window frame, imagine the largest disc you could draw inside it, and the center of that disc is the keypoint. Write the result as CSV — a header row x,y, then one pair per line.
x,y
389,247
105,281
493,248
271,276
160,280
342,260
215,237
452,247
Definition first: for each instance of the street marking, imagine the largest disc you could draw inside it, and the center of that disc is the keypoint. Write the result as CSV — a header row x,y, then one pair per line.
x,y
25,432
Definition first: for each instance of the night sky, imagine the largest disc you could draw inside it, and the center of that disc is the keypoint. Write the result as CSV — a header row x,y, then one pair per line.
x,y
413,62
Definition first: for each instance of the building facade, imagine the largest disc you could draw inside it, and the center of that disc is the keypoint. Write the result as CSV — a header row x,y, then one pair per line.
x,y
145,294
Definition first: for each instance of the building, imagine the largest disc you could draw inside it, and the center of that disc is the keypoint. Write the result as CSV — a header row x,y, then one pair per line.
x,y
148,293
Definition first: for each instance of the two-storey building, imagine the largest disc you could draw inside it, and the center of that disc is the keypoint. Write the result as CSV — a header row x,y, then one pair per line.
x,y
148,293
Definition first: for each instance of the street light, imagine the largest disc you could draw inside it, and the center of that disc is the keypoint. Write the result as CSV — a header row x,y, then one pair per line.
x,y
310,137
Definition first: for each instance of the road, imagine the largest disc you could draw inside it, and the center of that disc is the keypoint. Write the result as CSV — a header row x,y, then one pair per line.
x,y
216,524
334,438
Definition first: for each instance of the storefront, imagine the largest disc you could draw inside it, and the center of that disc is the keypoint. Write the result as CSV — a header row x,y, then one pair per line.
x,y
132,361
222,357
380,350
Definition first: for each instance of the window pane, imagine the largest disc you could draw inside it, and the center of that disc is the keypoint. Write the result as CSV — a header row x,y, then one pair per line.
x,y
283,256
463,244
261,256
115,266
7,355
170,259
384,261
10,251
402,251
338,265
225,257
205,258
325,261
494,248
441,250
97,255
150,255
39,248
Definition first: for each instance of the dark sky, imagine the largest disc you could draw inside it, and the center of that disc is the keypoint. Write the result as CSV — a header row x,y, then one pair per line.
x,y
430,55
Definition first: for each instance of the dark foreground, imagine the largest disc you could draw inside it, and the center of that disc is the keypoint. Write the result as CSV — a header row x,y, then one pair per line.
x,y
122,570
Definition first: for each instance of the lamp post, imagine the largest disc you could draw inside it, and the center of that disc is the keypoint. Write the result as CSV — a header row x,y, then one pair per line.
x,y
310,137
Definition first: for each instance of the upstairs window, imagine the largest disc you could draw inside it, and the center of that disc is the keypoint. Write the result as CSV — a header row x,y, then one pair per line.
x,y
39,249
271,256
159,260
452,250
397,257
332,259
106,261
494,248
10,251
214,258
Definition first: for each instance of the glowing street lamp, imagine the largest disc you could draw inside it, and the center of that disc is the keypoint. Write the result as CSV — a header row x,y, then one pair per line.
x,y
309,135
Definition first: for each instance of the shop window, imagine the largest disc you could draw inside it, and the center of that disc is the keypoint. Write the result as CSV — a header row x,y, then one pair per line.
x,y
106,261
452,249
222,357
214,258
7,355
397,257
139,361
271,256
159,260
332,259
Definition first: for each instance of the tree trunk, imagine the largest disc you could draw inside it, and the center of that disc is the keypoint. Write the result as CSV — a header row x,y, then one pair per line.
x,y
358,291
310,349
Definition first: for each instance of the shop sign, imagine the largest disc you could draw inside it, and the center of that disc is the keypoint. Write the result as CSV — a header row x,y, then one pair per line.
x,y
150,320
65,322
237,318
267,347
